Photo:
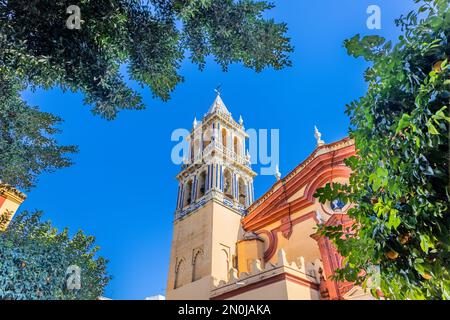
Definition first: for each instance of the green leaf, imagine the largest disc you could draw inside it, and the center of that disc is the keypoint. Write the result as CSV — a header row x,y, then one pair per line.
x,y
424,242
403,123
394,221
432,129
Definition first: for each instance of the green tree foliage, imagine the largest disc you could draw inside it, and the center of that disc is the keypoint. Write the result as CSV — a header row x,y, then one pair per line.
x,y
149,37
27,146
400,180
34,259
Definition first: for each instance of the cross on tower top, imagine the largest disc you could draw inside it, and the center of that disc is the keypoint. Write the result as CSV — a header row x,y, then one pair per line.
x,y
216,166
217,90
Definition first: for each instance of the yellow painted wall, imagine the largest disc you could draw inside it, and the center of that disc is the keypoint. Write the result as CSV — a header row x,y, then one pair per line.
x,y
299,292
274,291
281,290
198,290
214,229
189,234
297,195
299,243
247,251
226,231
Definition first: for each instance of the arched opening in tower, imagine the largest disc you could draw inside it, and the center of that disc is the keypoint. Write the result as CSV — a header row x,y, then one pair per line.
x,y
207,137
242,191
196,266
188,193
228,185
195,150
224,138
201,185
236,145
179,270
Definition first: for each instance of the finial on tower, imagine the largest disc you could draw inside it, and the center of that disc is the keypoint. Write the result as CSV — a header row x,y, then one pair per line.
x,y
195,123
217,90
318,136
277,173
241,121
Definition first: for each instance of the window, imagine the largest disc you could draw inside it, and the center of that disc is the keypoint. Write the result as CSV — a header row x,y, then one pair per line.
x,y
223,265
227,184
224,138
201,185
196,265
195,150
237,146
337,205
188,194
179,270
242,191
207,137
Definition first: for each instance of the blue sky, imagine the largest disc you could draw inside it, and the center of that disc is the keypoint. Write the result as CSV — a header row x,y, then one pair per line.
x,y
122,189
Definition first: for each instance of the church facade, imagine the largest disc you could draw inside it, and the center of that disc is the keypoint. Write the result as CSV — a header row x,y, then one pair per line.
x,y
228,246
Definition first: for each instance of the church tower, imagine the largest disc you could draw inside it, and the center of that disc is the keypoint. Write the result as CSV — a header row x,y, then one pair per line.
x,y
215,188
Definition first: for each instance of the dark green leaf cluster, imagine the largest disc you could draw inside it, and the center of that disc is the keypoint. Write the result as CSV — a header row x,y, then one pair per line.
x,y
27,144
150,37
400,180
34,258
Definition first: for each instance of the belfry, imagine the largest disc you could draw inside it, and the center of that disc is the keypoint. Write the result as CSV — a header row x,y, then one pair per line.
x,y
215,188
218,166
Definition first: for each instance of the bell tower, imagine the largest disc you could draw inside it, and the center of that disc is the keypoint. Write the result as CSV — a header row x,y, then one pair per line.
x,y
215,188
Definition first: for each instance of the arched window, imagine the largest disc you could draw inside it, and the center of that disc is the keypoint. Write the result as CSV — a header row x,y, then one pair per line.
x,y
201,185
196,266
195,149
242,191
188,194
207,137
236,146
179,270
224,138
223,265
337,205
227,184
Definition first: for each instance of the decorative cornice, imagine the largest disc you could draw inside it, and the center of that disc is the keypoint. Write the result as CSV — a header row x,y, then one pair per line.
x,y
211,195
12,193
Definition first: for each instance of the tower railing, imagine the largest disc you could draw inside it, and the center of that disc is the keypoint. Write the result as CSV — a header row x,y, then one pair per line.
x,y
227,152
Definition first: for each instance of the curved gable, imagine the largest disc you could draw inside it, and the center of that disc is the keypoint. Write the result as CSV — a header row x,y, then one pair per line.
x,y
296,190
